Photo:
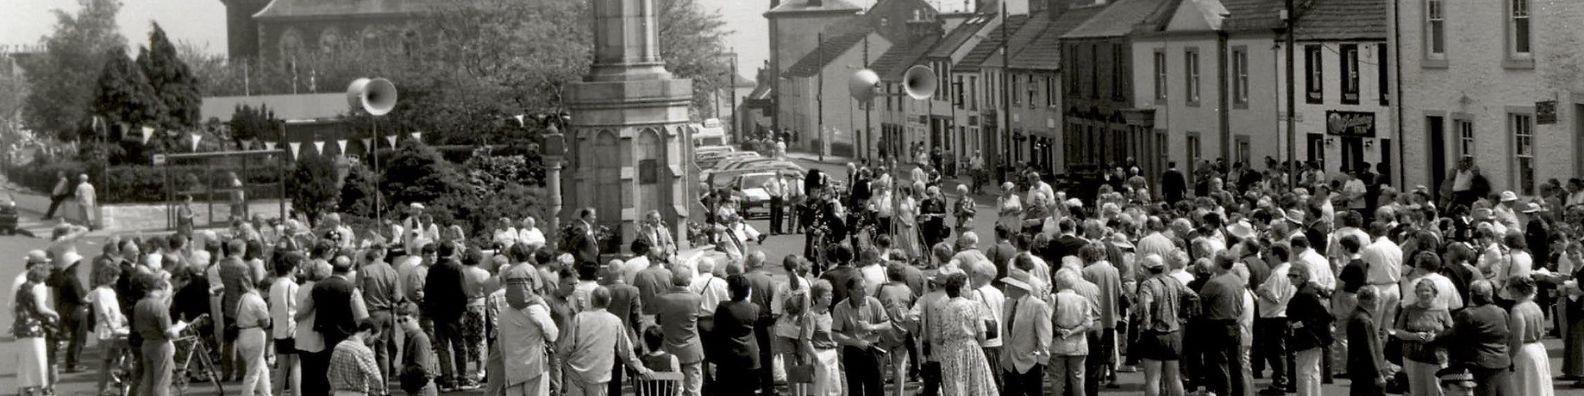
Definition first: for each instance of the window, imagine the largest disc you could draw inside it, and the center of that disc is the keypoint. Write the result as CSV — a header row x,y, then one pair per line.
x,y
1435,29
1032,89
1382,74
1094,71
888,97
1465,136
1072,71
1118,74
1315,74
1160,75
1523,151
1193,153
1242,150
973,92
1240,82
1016,99
1518,30
1348,54
1191,71
957,92
1050,91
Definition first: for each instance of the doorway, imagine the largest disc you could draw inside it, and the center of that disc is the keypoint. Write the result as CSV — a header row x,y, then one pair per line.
x,y
1436,129
1316,145
1352,154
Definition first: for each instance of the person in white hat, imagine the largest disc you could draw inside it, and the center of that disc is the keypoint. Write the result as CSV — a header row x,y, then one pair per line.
x,y
1505,212
1027,343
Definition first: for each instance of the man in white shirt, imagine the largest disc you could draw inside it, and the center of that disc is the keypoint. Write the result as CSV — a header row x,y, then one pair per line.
x,y
1271,323
506,236
1427,268
1353,191
1036,185
1384,259
1320,271
776,189
529,235
710,288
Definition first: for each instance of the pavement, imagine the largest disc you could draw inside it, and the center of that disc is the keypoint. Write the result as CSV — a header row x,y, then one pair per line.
x,y
775,247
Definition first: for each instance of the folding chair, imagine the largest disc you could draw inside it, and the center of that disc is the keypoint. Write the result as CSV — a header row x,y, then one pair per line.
x,y
661,384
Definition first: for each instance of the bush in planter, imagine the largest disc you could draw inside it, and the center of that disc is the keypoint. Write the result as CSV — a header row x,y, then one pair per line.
x,y
314,189
357,191
416,172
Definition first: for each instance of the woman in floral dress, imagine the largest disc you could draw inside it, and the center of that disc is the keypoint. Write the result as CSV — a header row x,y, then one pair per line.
x,y
964,371
31,313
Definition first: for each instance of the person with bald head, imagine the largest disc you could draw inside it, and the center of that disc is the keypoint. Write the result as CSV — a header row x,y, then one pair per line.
x,y
336,307
624,304
587,350
677,312
525,329
762,292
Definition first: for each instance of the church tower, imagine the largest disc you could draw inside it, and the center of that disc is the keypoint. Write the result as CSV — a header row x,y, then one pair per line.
x,y
242,32
628,143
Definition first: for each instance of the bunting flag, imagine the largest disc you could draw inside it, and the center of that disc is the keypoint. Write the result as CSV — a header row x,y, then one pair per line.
x,y
392,140
269,146
342,144
417,136
520,121
368,144
148,132
319,147
294,147
247,144
195,138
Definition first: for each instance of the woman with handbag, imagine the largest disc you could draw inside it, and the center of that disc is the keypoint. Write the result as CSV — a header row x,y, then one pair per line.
x,y
32,317
818,345
1416,325
964,370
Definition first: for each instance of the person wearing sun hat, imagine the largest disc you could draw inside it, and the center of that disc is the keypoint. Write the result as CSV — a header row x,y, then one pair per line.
x,y
1505,210
1028,339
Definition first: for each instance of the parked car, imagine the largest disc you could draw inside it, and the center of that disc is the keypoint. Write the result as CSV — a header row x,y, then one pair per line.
x,y
750,188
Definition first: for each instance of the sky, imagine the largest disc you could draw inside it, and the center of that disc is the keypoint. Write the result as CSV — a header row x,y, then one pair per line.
x,y
202,22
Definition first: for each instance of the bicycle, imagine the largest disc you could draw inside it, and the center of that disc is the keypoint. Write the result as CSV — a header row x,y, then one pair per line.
x,y
191,342
122,369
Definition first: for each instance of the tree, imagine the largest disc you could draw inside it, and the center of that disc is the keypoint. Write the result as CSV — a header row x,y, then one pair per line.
x,y
313,188
357,191
248,123
123,95
172,80
58,99
416,173
692,44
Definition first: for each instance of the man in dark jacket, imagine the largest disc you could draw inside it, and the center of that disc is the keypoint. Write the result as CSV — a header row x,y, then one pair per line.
x,y
1478,341
444,298
1310,321
1366,361
1173,185
762,290
737,359
336,308
1002,252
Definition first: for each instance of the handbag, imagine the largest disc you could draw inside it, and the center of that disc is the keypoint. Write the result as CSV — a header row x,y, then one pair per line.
x,y
800,374
992,331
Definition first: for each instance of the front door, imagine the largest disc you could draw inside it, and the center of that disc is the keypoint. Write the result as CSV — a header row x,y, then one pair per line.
x,y
1316,145
1435,125
1352,153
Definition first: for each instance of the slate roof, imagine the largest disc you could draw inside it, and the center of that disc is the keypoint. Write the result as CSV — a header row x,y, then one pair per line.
x,y
895,62
990,44
1118,19
1020,38
1253,14
823,55
1044,52
794,6
1342,20
960,35
298,9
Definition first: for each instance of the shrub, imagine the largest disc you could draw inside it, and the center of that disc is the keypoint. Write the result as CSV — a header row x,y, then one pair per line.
x,y
314,189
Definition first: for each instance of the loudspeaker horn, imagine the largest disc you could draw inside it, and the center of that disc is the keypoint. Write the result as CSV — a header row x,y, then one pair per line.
x,y
377,96
919,82
864,85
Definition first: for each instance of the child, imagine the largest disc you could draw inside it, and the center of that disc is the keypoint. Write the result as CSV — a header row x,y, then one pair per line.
x,y
418,366
657,360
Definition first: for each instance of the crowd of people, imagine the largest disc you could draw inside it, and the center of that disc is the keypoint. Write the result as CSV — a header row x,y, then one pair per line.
x,y
1222,275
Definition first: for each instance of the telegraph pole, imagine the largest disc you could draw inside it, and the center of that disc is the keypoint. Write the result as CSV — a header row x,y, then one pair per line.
x,y
1292,102
1006,90
819,96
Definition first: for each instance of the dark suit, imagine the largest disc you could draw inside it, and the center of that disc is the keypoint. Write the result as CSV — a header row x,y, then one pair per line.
x,y
651,283
737,352
444,298
1478,341
1365,356
585,246
762,290
677,314
332,300
1173,186
624,304
1001,256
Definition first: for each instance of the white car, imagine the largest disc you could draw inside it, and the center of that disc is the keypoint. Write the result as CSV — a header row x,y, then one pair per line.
x,y
750,186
